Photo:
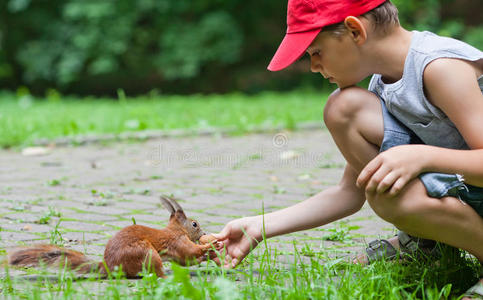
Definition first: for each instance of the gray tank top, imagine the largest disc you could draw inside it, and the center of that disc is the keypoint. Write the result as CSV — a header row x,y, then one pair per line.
x,y
405,98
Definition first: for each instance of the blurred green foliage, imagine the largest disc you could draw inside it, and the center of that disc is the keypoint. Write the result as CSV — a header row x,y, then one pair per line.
x,y
25,119
96,47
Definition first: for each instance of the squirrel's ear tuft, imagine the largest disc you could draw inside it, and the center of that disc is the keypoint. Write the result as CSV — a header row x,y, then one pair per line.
x,y
175,204
167,204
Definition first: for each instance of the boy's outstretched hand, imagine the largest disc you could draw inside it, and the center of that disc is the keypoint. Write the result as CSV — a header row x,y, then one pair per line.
x,y
239,236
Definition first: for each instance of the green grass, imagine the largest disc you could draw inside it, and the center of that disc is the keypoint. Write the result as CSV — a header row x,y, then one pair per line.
x,y
263,276
23,119
300,270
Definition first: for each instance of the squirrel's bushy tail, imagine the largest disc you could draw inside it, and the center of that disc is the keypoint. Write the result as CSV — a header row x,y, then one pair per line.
x,y
54,256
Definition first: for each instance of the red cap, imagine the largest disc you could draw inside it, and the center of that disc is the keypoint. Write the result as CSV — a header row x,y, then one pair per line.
x,y
306,18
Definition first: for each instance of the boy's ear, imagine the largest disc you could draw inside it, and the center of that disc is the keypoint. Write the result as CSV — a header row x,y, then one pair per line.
x,y
356,29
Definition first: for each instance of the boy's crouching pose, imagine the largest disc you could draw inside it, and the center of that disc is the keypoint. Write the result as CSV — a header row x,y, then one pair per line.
x,y
413,142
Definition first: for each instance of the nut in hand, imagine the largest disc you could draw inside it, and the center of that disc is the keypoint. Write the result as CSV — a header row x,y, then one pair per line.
x,y
207,238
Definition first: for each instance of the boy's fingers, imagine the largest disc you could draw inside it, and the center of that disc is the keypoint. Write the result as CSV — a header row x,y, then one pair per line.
x,y
220,262
386,183
397,186
367,172
227,266
227,263
362,179
373,182
223,260
219,246
223,235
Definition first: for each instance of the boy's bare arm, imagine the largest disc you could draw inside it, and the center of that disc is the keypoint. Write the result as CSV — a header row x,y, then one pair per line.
x,y
242,235
452,86
327,206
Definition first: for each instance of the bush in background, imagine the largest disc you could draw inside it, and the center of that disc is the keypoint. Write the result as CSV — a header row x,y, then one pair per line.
x,y
182,46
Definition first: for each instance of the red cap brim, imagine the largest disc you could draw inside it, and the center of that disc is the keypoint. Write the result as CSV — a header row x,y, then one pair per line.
x,y
292,48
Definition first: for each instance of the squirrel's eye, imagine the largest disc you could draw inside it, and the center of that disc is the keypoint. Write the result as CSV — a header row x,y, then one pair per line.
x,y
194,224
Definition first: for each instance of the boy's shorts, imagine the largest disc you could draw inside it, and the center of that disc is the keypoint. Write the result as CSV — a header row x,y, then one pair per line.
x,y
437,185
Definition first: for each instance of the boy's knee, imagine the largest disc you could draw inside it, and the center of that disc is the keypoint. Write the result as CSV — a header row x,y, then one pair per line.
x,y
392,209
383,207
343,106
409,205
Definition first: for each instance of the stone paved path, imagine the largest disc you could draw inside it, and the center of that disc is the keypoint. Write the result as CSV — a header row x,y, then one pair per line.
x,y
98,189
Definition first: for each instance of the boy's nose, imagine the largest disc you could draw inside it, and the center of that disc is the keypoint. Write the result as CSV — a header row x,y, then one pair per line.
x,y
315,66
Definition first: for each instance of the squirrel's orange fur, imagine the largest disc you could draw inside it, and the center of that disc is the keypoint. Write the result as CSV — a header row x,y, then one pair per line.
x,y
130,248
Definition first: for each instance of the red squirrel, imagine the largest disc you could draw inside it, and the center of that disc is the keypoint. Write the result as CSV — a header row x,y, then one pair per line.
x,y
130,248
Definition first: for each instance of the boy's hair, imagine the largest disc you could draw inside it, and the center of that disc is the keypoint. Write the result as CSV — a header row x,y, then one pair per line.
x,y
382,18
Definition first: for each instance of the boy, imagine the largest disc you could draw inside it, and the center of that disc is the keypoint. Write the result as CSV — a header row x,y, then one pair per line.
x,y
427,179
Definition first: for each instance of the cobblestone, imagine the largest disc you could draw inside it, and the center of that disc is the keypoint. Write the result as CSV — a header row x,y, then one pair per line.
x,y
98,189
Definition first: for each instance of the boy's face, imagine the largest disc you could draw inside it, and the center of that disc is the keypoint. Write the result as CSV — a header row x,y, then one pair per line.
x,y
337,58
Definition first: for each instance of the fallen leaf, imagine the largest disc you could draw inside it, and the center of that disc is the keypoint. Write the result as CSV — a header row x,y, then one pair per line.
x,y
36,151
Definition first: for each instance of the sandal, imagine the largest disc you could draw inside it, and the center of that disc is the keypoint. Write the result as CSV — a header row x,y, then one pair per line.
x,y
380,250
409,247
414,246
476,291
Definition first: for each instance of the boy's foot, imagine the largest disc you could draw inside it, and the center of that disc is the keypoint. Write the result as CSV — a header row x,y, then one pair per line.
x,y
399,246
378,250
403,245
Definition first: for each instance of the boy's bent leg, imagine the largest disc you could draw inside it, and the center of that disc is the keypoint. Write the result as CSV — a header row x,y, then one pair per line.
x,y
446,220
354,119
